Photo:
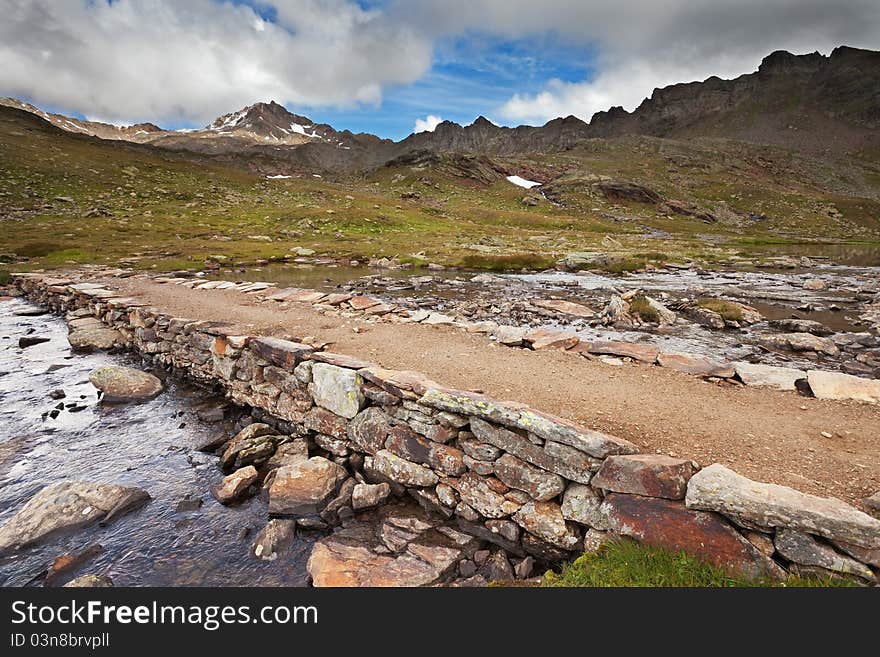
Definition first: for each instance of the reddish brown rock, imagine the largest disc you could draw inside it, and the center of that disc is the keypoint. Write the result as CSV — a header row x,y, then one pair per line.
x,y
306,296
670,525
696,365
541,339
401,383
652,475
407,444
362,303
282,353
320,420
644,352
340,360
232,486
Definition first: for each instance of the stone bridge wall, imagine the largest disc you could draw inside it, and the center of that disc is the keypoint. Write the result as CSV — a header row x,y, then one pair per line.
x,y
522,479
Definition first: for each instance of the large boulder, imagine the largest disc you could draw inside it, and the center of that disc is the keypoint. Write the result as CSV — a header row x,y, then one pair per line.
x,y
801,342
757,505
669,524
304,488
67,506
121,384
836,385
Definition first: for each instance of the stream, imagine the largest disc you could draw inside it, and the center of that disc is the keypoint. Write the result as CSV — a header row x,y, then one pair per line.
x,y
182,537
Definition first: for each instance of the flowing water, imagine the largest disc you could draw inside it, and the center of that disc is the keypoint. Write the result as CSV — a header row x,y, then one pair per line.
x,y
149,445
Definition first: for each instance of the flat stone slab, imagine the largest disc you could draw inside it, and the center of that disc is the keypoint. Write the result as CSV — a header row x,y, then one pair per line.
x,y
65,507
695,365
541,339
281,353
94,336
758,505
653,475
805,550
757,375
670,525
121,384
565,307
836,385
645,353
512,414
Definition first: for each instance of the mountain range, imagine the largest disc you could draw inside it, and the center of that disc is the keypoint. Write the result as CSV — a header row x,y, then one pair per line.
x,y
810,103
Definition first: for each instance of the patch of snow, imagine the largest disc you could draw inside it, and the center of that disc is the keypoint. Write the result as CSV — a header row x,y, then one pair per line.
x,y
522,182
316,175
301,130
278,177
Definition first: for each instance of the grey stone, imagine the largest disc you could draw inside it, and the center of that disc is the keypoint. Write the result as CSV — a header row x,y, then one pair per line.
x,y
337,389
539,484
402,471
757,505
754,374
304,488
366,496
476,492
545,520
369,429
836,385
275,538
583,504
805,550
65,507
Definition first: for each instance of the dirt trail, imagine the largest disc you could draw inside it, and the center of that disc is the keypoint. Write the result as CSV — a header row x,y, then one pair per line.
x,y
765,434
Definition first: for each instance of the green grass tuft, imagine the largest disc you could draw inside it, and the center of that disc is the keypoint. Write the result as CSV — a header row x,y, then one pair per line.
x,y
640,306
730,312
627,563
507,262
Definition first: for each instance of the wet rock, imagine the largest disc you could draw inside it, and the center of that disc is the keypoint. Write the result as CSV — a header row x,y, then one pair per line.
x,y
670,525
565,307
582,504
369,429
94,337
275,538
57,394
652,475
800,326
233,486
757,505
511,336
543,425
541,339
479,493
835,385
805,550
30,340
545,520
560,459
252,446
90,582
800,342
642,352
407,444
62,565
121,384
402,471
337,389
757,375
188,504
65,507
304,488
365,496
695,365
539,484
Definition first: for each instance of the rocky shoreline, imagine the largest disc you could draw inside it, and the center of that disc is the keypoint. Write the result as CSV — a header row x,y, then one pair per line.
x,y
337,438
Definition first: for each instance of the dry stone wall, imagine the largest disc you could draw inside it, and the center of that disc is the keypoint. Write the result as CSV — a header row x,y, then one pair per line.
x,y
525,480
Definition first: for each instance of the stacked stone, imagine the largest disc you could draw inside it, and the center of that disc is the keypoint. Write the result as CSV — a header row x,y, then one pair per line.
x,y
529,482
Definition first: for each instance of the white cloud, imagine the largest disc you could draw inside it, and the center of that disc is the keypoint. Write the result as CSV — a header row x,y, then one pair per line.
x,y
427,124
164,60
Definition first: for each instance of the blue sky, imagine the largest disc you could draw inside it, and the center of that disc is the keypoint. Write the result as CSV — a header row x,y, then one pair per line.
x,y
472,75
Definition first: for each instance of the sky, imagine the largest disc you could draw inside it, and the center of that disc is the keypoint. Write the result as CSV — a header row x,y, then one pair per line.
x,y
391,67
